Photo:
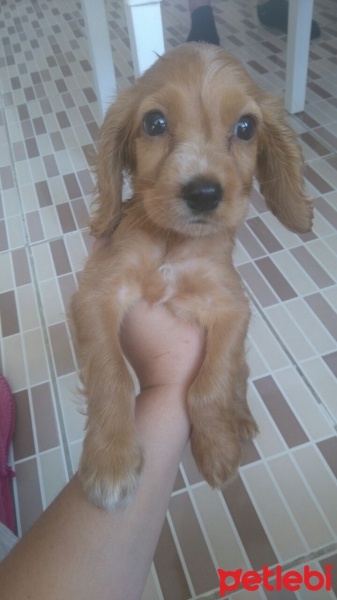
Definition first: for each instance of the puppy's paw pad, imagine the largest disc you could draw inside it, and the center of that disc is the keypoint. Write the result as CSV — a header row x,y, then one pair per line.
x,y
218,461
247,427
110,494
112,485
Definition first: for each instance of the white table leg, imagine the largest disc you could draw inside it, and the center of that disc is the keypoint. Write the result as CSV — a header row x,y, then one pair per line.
x,y
299,28
96,24
145,31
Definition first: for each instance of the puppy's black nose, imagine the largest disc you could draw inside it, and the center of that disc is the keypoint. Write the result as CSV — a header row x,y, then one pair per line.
x,y
202,194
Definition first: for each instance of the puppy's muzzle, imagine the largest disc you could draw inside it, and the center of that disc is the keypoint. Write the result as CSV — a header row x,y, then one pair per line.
x,y
202,194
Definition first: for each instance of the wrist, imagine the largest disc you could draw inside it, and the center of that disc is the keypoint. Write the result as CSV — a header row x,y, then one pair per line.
x,y
162,411
176,390
169,398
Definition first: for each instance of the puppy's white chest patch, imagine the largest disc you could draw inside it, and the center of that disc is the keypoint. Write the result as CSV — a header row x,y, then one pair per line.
x,y
172,271
168,273
183,275
192,288
172,282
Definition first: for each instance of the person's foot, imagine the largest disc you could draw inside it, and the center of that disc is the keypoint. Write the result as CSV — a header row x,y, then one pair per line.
x,y
274,13
7,420
203,27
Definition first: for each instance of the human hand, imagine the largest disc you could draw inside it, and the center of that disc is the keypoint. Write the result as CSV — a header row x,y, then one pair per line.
x,y
162,349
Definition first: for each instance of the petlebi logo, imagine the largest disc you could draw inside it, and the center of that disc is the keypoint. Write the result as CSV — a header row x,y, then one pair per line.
x,y
275,579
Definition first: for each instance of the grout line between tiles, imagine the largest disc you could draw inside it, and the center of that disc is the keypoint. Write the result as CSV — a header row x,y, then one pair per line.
x,y
291,358
53,378
234,530
286,504
44,328
156,582
203,528
314,555
212,595
15,495
180,553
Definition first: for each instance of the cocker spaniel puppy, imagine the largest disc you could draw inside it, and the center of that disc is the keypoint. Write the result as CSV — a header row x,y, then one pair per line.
x,y
191,133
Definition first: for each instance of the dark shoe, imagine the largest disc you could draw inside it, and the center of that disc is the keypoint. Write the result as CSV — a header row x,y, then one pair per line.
x,y
203,26
274,13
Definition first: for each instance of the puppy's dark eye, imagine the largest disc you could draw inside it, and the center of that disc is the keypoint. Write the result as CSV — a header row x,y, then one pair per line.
x,y
154,123
245,128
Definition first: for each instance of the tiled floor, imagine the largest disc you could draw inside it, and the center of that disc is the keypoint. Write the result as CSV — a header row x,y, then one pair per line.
x,y
283,507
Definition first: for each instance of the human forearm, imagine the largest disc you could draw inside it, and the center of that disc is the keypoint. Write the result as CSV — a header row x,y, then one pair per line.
x,y
79,551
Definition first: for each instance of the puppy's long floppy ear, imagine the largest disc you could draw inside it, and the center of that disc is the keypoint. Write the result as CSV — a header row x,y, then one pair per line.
x,y
280,168
114,156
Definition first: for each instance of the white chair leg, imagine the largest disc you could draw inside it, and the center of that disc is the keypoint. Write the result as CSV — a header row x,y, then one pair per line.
x,y
145,31
100,51
299,28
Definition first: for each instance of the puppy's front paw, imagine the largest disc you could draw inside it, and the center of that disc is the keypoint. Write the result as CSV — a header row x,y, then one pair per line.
x,y
218,455
110,475
247,427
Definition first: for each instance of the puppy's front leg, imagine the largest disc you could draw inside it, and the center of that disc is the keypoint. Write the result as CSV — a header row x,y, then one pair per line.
x,y
111,459
217,400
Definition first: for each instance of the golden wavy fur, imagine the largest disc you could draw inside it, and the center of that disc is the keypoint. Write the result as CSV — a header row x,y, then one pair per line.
x,y
191,133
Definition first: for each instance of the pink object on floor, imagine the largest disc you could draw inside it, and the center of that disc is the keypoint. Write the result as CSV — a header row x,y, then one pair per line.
x,y
7,420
